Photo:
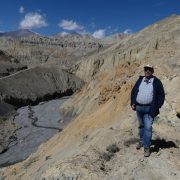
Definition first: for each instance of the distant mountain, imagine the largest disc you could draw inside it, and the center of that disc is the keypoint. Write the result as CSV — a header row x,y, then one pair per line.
x,y
74,35
32,49
18,33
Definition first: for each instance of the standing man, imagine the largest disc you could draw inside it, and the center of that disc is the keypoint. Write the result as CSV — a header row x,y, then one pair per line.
x,y
147,97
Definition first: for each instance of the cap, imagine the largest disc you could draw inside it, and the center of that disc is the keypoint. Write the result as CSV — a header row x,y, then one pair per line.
x,y
149,66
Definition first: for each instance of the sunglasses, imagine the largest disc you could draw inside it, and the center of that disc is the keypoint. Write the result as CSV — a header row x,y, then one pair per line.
x,y
148,69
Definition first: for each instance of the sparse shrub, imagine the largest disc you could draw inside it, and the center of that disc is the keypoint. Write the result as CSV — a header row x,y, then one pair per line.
x,y
48,157
113,148
2,119
106,156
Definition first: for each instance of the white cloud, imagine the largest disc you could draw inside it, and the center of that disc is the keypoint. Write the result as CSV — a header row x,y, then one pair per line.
x,y
33,20
21,9
128,31
64,33
99,33
70,25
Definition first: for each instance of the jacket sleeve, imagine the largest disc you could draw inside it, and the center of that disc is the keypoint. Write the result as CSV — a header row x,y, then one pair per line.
x,y
161,94
134,93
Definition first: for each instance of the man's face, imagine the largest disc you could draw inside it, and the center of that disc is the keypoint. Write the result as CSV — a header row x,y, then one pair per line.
x,y
148,71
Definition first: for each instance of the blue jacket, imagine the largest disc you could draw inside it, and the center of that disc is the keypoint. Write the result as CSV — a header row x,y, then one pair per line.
x,y
158,95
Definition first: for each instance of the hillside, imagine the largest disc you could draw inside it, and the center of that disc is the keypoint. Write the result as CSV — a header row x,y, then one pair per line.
x,y
33,50
9,64
37,84
100,141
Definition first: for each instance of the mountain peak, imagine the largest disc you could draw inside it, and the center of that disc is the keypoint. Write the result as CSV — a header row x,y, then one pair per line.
x,y
18,33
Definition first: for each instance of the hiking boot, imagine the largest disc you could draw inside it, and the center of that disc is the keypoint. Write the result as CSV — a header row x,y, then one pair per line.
x,y
139,145
146,152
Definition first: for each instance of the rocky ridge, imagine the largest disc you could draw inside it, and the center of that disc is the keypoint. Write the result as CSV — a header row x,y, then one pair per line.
x,y
62,50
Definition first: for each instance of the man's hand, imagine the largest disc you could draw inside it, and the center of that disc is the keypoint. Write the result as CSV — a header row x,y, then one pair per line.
x,y
133,107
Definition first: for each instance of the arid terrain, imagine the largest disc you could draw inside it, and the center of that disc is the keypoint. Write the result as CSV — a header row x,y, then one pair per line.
x,y
99,142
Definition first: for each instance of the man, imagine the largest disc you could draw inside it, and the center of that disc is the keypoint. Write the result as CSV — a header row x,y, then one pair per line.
x,y
147,97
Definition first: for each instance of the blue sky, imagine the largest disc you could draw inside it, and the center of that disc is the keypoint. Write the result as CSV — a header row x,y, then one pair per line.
x,y
97,17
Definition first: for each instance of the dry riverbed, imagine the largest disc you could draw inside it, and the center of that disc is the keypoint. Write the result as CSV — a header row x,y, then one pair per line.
x,y
31,126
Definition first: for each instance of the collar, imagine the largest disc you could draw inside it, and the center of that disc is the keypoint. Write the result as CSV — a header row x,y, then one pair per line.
x,y
148,80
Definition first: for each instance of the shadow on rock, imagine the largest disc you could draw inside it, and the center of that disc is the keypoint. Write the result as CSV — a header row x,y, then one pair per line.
x,y
162,144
